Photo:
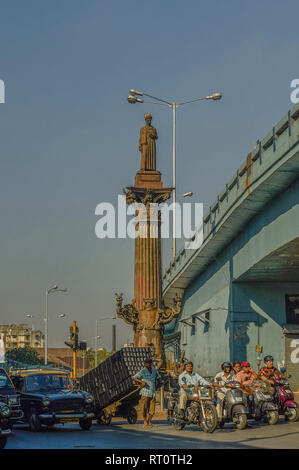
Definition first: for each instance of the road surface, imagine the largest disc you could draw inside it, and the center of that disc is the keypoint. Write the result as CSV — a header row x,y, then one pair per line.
x,y
121,435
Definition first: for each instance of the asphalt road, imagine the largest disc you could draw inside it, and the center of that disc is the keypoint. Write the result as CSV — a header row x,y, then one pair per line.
x,y
121,435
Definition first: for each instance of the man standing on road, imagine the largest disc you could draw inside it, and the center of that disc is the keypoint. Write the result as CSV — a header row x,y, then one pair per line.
x,y
147,377
188,380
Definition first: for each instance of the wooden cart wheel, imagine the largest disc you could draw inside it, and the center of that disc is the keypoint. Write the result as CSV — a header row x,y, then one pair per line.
x,y
102,418
132,416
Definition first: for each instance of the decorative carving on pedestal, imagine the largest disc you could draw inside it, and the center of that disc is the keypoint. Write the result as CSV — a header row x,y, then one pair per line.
x,y
148,322
147,313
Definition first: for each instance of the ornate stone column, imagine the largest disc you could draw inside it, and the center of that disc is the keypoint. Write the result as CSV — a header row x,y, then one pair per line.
x,y
147,313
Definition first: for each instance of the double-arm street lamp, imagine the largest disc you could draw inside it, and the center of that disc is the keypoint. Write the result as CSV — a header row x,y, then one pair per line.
x,y
51,290
133,98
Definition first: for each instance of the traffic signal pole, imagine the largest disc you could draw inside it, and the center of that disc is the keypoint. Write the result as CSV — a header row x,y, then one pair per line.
x,y
75,345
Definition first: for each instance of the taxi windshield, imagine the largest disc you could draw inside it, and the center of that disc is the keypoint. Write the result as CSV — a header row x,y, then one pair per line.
x,y
4,380
43,382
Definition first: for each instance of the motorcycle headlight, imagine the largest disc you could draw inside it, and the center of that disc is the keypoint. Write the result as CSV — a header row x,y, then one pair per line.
x,y
5,411
89,399
46,401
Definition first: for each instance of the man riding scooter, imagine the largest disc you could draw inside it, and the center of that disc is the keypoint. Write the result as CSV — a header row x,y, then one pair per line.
x,y
268,372
187,381
280,388
222,379
246,376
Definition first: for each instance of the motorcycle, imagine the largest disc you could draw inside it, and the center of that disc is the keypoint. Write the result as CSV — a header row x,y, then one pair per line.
x,y
234,407
284,398
260,402
200,410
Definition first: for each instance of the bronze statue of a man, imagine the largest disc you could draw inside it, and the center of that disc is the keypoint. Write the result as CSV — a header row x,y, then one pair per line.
x,y
147,144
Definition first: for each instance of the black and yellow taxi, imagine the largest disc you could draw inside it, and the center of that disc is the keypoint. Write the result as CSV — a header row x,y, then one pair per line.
x,y
47,397
10,410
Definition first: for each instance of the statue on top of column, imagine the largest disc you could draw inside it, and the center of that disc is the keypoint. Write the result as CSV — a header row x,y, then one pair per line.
x,y
147,144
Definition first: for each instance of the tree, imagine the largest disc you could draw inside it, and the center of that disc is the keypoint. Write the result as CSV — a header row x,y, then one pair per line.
x,y
102,356
26,355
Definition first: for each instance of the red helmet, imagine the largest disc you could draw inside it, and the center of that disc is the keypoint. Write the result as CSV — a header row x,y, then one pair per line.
x,y
245,364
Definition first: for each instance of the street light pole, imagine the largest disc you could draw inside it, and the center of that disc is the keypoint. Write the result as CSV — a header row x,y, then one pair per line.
x,y
96,346
132,99
174,178
46,329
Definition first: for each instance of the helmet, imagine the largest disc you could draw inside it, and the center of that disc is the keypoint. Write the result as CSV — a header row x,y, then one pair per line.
x,y
268,358
245,364
226,364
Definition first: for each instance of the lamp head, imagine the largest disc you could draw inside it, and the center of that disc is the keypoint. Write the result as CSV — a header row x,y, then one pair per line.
x,y
215,96
132,99
136,92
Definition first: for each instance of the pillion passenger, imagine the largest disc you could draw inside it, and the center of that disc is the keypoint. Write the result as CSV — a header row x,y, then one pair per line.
x,y
221,381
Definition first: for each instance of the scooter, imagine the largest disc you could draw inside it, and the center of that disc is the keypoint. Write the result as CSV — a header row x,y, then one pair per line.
x,y
284,398
234,407
261,402
200,410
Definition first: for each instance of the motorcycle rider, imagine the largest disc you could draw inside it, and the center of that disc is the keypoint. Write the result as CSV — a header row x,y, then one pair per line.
x,y
246,376
187,381
220,380
268,371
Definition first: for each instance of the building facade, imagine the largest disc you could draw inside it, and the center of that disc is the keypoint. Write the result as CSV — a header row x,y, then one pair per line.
x,y
21,335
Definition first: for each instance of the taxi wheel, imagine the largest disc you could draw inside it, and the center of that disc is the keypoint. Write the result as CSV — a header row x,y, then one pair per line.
x,y
3,441
85,424
34,421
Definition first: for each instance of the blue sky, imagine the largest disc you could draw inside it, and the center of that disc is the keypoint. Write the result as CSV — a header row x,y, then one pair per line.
x,y
69,138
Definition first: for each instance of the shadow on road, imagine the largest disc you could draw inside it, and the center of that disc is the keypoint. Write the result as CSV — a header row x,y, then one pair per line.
x,y
120,435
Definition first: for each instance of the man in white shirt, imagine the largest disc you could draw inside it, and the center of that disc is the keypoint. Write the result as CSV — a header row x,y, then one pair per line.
x,y
188,380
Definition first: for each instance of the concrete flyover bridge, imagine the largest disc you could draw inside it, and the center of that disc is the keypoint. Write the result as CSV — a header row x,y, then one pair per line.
x,y
241,287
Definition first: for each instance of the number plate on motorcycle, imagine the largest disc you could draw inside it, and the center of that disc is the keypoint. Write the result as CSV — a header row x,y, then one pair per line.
x,y
239,399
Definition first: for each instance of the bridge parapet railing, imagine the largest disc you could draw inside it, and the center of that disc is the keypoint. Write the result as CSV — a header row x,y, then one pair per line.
x,y
265,153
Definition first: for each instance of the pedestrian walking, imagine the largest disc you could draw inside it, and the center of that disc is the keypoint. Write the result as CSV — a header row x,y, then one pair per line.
x,y
147,377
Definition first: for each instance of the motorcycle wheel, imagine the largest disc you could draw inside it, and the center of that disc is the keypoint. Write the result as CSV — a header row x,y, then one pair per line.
x,y
291,414
179,427
3,441
241,422
271,417
210,423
